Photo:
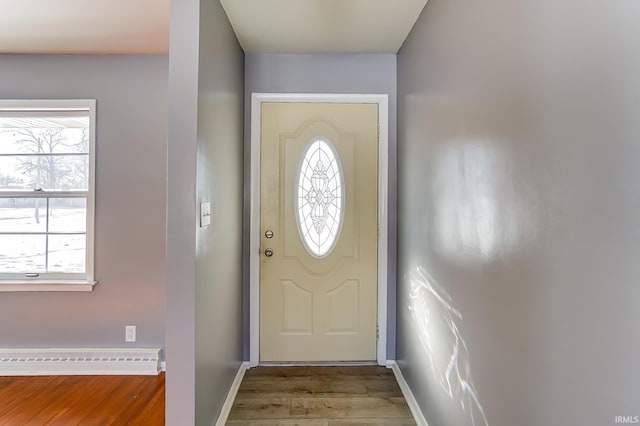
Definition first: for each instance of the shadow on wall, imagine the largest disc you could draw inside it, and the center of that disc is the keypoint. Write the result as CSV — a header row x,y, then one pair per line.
x,y
436,322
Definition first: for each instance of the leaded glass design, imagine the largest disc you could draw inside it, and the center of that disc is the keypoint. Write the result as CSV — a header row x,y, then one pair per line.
x,y
319,196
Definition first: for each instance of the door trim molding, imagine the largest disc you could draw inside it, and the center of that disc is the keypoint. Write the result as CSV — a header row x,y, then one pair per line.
x,y
257,99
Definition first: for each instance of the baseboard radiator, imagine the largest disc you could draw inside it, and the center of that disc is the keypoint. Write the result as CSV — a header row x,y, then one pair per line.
x,y
79,362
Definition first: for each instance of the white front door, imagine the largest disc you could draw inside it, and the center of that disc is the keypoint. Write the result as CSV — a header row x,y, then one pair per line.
x,y
319,232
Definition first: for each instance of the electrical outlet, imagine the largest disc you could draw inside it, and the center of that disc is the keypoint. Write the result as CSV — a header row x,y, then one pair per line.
x,y
129,333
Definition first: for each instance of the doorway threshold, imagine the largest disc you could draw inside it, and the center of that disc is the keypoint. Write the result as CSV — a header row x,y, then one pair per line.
x,y
319,364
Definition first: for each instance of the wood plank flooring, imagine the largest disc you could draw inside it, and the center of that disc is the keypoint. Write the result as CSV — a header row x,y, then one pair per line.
x,y
82,400
315,396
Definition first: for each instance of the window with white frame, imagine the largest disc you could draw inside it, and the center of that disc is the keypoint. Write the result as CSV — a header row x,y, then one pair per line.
x,y
47,162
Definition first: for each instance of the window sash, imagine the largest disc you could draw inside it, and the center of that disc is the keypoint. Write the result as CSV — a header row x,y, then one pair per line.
x,y
43,194
44,154
56,108
46,233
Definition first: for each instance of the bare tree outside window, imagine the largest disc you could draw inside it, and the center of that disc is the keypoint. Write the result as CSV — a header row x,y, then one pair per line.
x,y
8,180
50,169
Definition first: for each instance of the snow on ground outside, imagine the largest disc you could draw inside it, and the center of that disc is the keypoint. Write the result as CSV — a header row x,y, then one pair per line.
x,y
26,253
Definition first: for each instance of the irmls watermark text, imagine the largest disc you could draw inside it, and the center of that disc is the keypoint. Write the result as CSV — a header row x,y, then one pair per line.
x,y
628,420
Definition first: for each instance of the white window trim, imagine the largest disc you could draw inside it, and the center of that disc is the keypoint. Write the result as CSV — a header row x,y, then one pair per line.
x,y
89,282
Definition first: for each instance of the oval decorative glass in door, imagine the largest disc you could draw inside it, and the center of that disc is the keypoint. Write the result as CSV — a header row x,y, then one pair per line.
x,y
319,195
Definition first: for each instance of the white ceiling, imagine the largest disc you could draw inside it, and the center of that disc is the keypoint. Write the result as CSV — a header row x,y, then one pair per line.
x,y
322,26
84,26
262,26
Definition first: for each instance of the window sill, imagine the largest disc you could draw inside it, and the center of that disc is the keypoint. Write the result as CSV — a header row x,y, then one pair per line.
x,y
48,285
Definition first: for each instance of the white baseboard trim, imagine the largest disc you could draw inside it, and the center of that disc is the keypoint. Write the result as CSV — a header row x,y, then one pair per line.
x,y
163,366
79,362
231,396
416,412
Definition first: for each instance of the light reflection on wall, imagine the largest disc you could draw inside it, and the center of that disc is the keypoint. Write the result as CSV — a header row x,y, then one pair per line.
x,y
480,209
436,322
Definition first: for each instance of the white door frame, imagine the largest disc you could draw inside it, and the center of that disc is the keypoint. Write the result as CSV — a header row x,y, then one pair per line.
x,y
257,99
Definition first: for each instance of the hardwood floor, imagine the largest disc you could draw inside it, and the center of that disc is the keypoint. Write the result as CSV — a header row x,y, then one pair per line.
x,y
82,400
349,396
320,396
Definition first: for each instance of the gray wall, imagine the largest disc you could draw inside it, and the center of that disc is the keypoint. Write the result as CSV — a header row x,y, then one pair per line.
x,y
180,392
131,141
518,209
270,73
205,164
219,181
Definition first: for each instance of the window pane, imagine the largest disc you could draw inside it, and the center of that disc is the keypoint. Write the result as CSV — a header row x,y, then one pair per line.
x,y
67,253
23,215
48,172
67,215
319,197
11,175
22,253
63,135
